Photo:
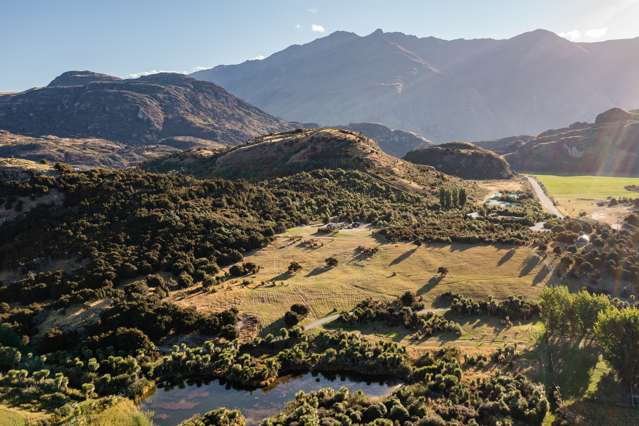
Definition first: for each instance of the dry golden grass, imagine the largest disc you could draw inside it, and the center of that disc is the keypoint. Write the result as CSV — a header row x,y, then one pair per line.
x,y
478,271
10,416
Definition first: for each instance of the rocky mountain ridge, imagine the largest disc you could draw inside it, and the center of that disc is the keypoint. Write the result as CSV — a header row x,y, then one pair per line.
x,y
446,90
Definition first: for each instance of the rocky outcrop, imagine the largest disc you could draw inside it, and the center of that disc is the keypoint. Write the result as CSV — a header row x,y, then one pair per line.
x,y
80,78
464,160
609,146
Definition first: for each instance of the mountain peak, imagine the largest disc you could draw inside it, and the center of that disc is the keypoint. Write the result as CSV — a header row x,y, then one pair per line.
x,y
80,78
538,35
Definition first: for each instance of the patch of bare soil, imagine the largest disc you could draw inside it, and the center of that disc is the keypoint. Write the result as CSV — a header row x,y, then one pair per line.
x,y
612,216
75,317
489,187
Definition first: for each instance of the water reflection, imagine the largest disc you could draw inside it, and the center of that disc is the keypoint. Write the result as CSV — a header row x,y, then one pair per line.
x,y
171,406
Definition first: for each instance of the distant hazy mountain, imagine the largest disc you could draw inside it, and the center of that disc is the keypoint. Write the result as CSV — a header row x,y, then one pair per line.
x,y
146,110
609,146
459,89
393,142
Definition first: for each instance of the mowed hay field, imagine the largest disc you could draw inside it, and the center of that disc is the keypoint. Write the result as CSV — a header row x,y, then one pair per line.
x,y
575,194
475,270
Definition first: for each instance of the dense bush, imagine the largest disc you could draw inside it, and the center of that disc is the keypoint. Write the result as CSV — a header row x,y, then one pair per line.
x,y
442,400
406,311
217,417
514,308
296,314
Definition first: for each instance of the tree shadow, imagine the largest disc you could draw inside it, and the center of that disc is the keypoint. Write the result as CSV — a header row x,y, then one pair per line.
x,y
566,364
506,257
529,265
463,246
318,270
273,328
542,274
282,277
402,257
431,284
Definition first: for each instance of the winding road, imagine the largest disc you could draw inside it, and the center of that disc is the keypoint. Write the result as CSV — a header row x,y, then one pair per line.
x,y
545,201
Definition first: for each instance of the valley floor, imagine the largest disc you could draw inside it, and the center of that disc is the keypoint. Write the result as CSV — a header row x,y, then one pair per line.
x,y
577,195
476,271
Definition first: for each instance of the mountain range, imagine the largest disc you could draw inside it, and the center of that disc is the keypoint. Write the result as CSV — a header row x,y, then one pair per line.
x,y
444,90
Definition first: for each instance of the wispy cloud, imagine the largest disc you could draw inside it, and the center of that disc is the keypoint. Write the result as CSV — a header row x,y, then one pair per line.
x,y
298,26
312,10
316,28
591,34
597,33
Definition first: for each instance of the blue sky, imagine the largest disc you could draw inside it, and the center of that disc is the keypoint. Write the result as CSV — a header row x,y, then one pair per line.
x,y
40,39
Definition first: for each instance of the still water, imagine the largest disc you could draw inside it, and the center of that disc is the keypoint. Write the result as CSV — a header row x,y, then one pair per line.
x,y
171,406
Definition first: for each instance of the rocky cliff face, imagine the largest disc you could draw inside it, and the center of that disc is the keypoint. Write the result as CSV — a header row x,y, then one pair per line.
x,y
464,160
609,146
82,104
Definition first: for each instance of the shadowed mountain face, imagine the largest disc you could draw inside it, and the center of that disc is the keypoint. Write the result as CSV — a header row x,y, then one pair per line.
x,y
83,104
460,89
393,142
609,146
465,160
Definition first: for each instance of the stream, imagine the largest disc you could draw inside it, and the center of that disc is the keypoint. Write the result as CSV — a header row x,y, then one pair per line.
x,y
174,405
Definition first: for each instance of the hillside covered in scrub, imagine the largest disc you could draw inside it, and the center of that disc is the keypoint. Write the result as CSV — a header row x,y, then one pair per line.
x,y
464,160
288,153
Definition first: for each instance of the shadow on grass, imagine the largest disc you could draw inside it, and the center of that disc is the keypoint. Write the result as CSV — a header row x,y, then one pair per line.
x,y
431,284
282,277
273,328
402,257
462,246
506,257
542,274
529,265
319,270
566,364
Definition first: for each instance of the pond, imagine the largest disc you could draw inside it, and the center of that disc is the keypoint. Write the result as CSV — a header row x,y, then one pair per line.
x,y
174,405
502,200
